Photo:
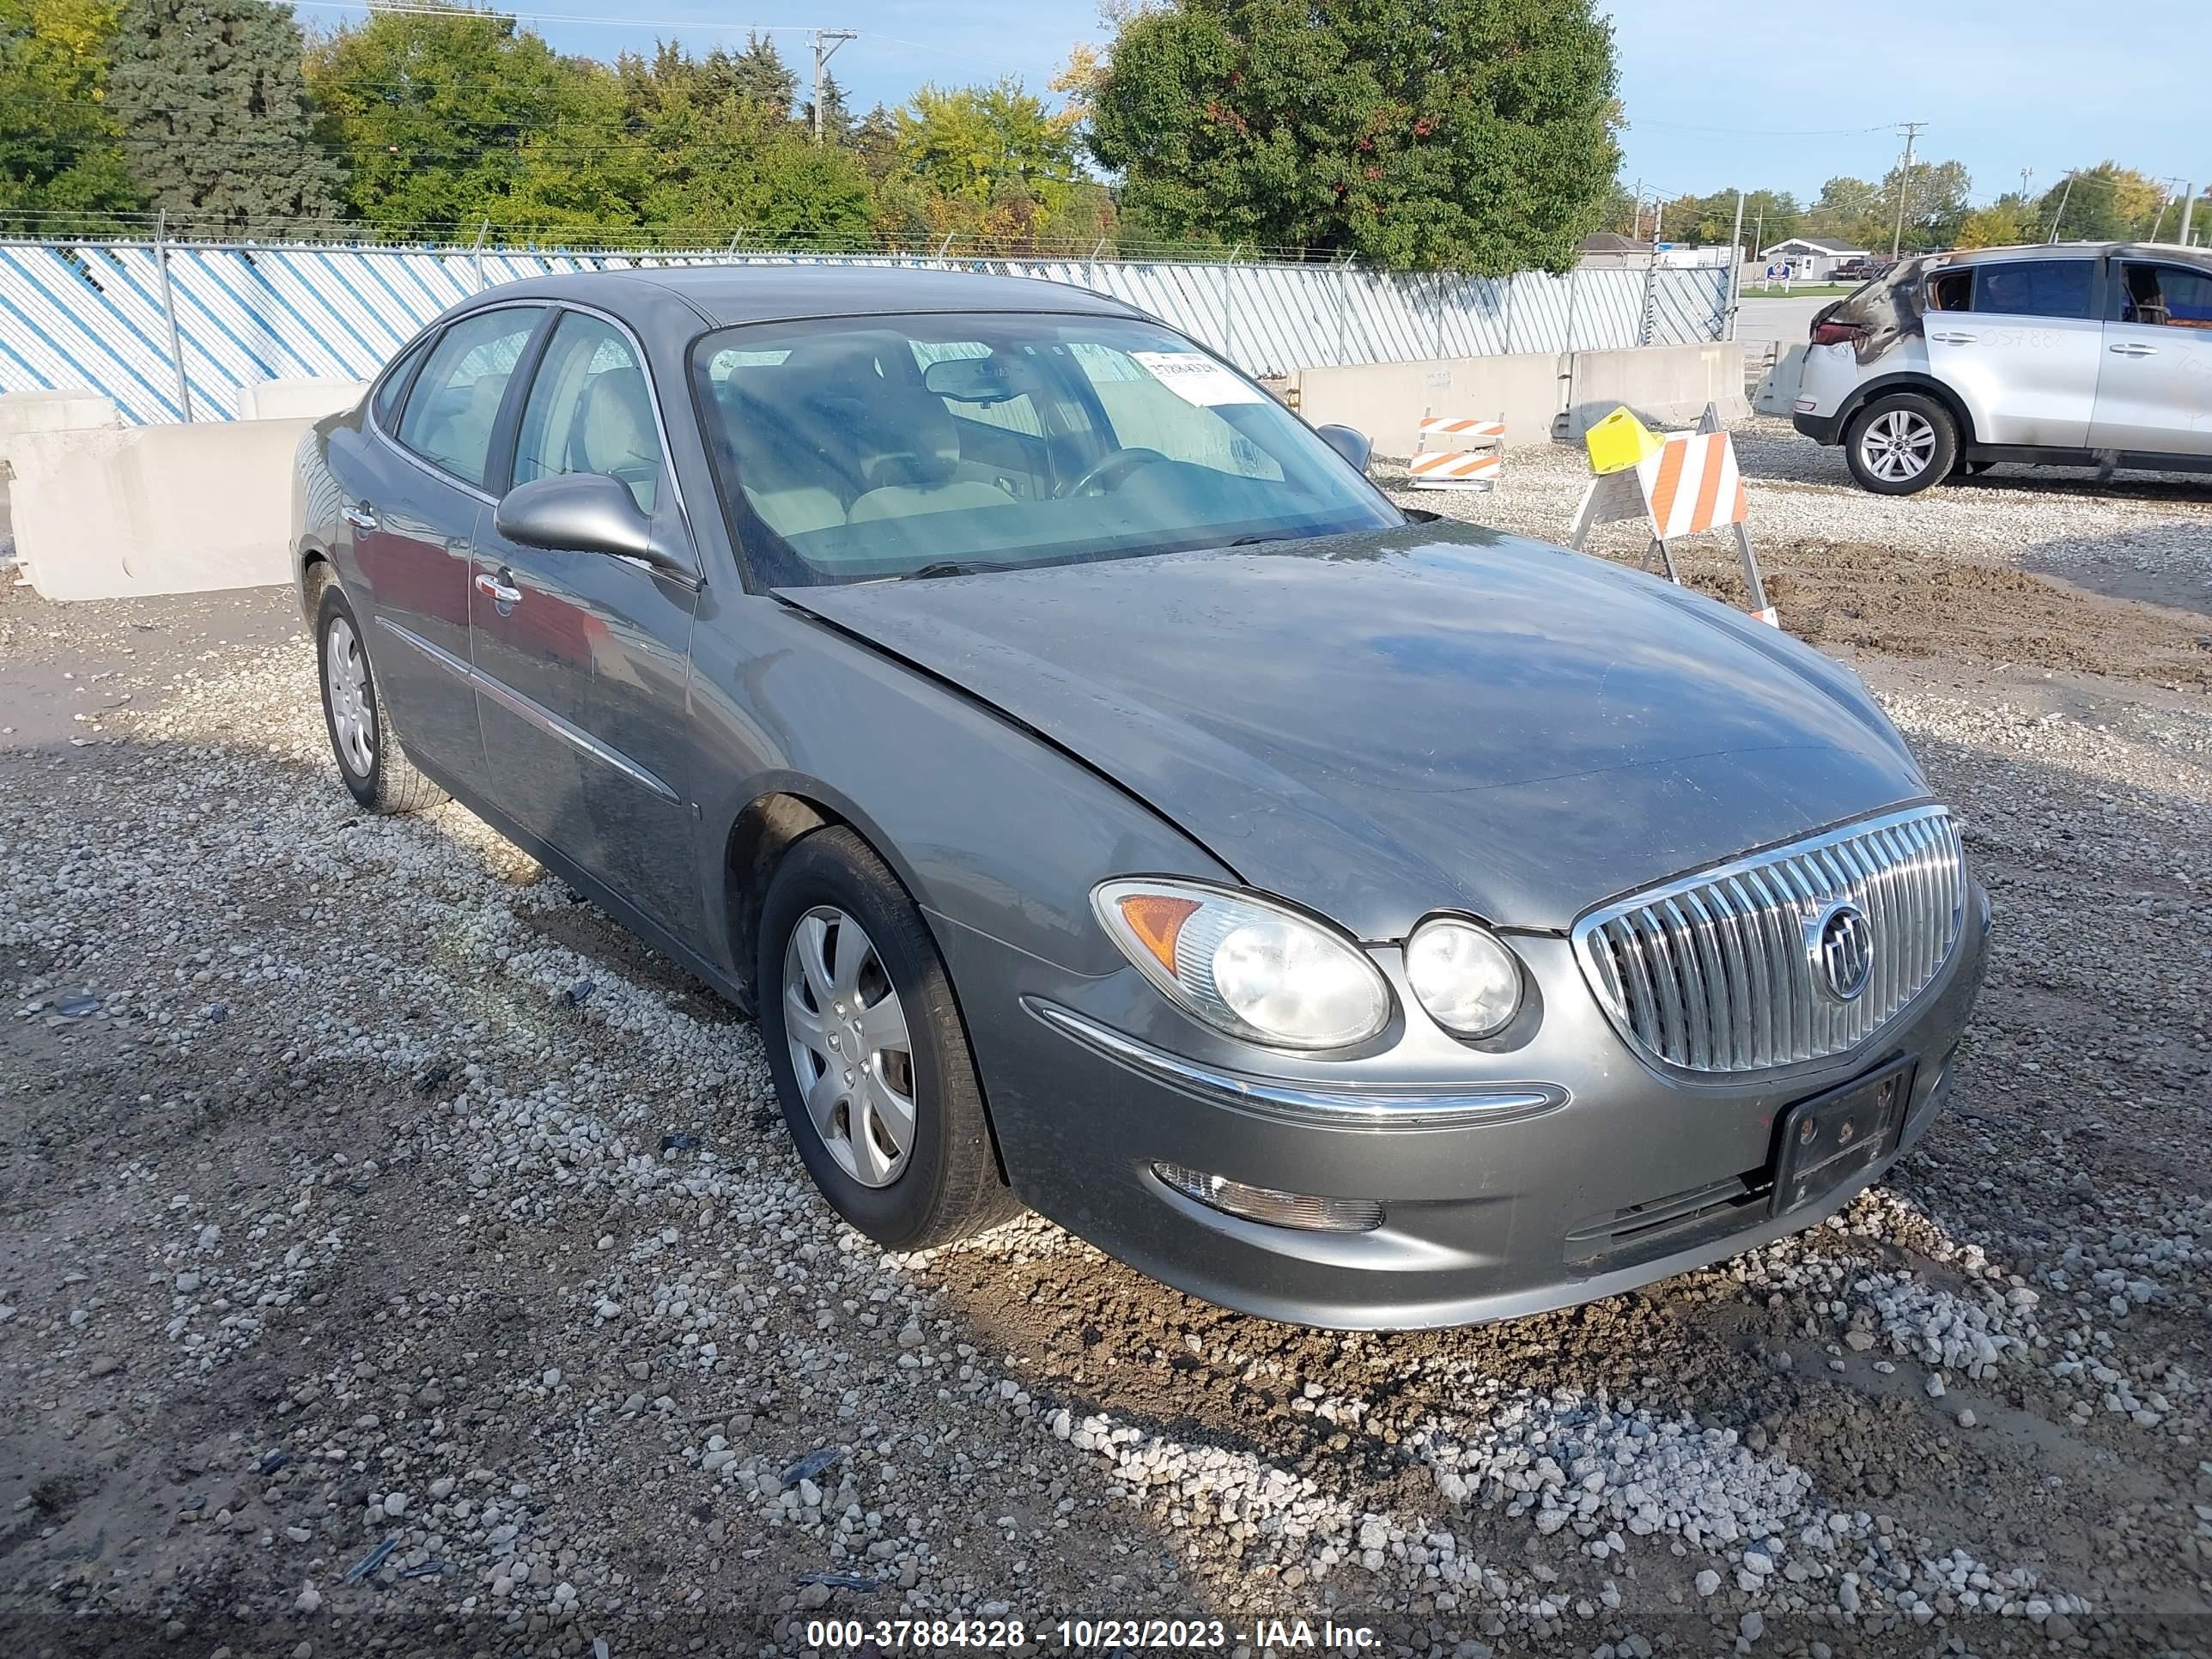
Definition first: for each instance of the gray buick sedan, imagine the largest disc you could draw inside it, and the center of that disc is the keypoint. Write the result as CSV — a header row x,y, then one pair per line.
x,y
1109,803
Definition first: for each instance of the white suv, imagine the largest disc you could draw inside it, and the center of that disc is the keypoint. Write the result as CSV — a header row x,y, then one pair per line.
x,y
2075,354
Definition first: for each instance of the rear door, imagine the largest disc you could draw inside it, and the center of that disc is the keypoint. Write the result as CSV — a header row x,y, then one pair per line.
x,y
583,658
2024,358
2155,389
412,499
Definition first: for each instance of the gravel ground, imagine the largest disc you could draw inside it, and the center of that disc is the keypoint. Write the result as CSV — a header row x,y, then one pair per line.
x,y
399,1259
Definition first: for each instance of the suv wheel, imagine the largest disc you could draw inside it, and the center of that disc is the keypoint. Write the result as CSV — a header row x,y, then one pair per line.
x,y
869,1054
1900,444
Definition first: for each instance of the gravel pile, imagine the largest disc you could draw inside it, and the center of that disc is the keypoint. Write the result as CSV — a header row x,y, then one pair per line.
x,y
402,1261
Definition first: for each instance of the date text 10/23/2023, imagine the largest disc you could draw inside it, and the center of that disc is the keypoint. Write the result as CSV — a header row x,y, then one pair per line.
x,y
1175,1635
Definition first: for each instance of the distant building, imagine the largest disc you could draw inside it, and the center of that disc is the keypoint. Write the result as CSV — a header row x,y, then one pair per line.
x,y
1801,259
1609,250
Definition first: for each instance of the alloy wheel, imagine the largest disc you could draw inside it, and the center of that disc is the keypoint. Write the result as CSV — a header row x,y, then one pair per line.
x,y
1898,445
850,1053
353,713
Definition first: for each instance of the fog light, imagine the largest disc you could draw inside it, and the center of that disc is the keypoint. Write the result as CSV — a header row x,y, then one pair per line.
x,y
1319,1215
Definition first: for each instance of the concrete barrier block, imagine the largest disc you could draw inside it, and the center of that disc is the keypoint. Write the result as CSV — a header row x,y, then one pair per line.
x,y
1664,386
1385,400
1778,388
278,400
65,409
103,514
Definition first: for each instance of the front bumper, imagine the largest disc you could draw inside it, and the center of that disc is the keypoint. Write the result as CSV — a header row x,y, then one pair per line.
x,y
1548,1175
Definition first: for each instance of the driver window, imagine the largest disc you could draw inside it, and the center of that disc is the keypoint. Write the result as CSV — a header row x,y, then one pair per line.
x,y
590,411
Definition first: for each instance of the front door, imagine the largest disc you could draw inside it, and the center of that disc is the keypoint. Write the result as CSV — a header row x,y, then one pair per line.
x,y
2154,391
2024,358
582,658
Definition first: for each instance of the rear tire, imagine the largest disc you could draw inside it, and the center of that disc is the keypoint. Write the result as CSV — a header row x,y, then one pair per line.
x,y
887,1115
375,771
1900,443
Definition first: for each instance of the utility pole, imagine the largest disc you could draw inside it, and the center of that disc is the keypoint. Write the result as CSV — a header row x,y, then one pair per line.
x,y
826,42
2059,217
2188,211
1736,264
2164,201
1911,129
1636,213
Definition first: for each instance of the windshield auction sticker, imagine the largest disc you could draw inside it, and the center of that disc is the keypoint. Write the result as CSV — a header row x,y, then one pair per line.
x,y
1197,380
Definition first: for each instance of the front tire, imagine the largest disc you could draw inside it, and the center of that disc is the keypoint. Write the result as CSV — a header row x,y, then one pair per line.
x,y
1901,443
371,764
870,1057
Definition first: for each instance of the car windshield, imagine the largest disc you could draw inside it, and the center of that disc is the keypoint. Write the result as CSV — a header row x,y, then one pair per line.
x,y
862,449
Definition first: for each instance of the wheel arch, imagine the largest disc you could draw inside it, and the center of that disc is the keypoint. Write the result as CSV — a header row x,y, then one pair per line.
x,y
759,838
1926,385
316,571
765,828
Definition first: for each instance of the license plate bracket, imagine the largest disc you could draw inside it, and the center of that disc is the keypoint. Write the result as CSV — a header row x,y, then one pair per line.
x,y
1824,1142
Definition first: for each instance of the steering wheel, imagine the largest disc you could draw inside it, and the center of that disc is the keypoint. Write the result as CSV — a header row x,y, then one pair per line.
x,y
1108,471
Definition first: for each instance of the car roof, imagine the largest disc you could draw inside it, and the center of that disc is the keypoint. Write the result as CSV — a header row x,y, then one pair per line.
x,y
2075,249
725,294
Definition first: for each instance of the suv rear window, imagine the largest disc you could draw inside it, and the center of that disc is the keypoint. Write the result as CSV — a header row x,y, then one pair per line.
x,y
2037,287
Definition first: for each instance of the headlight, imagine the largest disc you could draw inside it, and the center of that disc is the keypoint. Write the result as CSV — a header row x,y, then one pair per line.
x,y
1246,965
1468,981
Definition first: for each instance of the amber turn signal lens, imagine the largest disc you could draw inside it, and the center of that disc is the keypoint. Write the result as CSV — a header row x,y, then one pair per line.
x,y
1155,919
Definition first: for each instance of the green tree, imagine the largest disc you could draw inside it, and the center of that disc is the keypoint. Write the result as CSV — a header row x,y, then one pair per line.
x,y
2010,220
2106,203
1847,214
1466,134
1935,207
760,74
1709,221
836,119
210,94
719,160
446,118
60,150
984,144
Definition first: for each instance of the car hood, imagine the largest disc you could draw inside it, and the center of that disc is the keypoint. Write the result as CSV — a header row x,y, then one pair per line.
x,y
1434,716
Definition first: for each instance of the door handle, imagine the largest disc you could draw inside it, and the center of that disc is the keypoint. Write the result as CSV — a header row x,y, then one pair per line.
x,y
359,515
497,591
1952,339
2133,349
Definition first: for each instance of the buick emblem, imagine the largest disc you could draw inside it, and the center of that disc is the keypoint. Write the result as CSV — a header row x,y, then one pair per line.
x,y
1841,942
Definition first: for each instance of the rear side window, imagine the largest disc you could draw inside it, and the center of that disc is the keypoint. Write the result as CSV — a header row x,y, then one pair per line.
x,y
1951,291
456,398
2037,287
2165,296
395,383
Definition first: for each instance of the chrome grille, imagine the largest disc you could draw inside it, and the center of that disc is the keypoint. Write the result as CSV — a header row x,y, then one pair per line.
x,y
1715,973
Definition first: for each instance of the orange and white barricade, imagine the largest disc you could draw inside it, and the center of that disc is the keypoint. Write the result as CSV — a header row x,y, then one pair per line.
x,y
1467,454
1685,485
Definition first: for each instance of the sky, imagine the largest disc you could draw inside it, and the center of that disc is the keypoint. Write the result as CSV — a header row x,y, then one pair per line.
x,y
1719,94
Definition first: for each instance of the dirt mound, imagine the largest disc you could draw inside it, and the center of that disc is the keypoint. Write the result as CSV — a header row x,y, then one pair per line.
x,y
1920,605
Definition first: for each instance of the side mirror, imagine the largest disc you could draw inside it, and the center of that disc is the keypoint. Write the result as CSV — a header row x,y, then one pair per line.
x,y
1349,442
582,513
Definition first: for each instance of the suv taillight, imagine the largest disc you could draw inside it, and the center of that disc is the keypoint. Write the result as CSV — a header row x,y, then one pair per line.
x,y
1837,334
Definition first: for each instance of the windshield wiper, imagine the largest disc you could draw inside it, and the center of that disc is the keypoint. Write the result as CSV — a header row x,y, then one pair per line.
x,y
1253,541
941,567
